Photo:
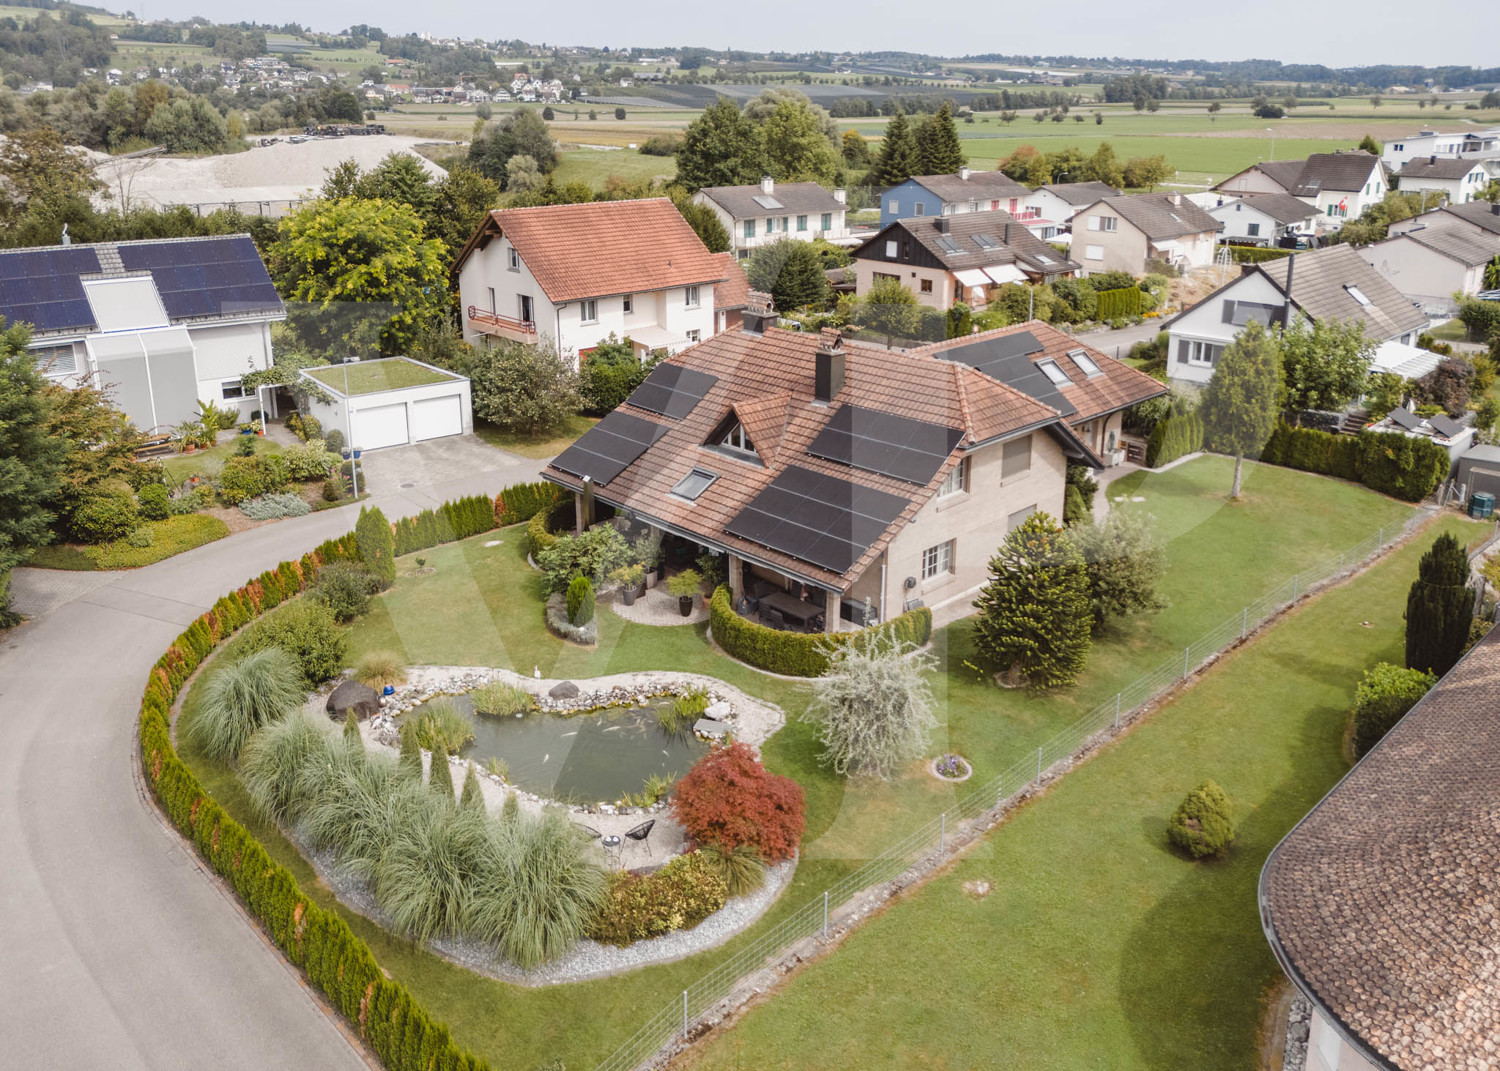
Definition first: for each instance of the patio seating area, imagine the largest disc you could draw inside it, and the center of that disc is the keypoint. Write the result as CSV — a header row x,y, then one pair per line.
x,y
765,602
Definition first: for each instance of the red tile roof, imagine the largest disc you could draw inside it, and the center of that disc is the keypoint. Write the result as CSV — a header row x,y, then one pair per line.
x,y
734,291
602,248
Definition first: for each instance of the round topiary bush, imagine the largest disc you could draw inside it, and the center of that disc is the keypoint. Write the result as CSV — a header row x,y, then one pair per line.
x,y
580,601
151,500
106,517
1201,825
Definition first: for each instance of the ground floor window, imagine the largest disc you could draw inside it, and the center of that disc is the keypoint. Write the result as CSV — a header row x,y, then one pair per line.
x,y
232,389
926,286
937,560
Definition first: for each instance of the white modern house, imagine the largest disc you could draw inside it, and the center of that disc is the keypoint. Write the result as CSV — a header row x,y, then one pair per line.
x,y
1474,144
1321,284
160,324
758,215
577,274
1460,179
1050,207
1263,218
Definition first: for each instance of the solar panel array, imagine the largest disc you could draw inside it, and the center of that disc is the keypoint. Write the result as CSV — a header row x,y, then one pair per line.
x,y
672,390
608,448
41,287
205,277
823,520
1008,359
910,450
1445,425
1405,418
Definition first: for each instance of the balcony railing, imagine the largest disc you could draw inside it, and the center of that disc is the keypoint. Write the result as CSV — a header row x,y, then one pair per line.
x,y
492,323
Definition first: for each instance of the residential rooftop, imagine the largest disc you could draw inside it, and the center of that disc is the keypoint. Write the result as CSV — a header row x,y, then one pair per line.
x,y
372,377
773,198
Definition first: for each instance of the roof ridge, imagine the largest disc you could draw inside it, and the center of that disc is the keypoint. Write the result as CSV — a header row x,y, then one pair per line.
x,y
963,398
579,204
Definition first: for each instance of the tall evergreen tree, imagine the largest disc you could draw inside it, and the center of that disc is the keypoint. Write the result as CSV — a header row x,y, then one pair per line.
x,y
472,798
31,460
722,147
440,774
1439,608
1034,613
897,160
377,545
1239,403
790,272
938,149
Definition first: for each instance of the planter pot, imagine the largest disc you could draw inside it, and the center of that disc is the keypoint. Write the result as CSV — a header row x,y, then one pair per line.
x,y
685,605
707,599
189,449
346,452
247,430
652,577
356,453
628,595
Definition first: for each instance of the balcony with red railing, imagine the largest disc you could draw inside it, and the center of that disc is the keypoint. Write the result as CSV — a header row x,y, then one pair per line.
x,y
492,323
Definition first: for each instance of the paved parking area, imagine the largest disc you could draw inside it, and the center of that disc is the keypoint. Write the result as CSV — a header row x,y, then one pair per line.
x,y
445,468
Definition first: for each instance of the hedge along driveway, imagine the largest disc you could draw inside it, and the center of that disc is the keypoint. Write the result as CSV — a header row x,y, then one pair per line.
x,y
1098,946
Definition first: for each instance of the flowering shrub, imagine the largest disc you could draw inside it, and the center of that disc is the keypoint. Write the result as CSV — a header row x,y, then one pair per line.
x,y
730,799
952,766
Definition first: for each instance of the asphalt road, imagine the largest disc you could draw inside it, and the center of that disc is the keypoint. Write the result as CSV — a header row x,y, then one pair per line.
x,y
116,950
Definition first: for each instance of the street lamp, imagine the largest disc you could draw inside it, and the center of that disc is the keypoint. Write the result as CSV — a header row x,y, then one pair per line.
x,y
349,430
1273,142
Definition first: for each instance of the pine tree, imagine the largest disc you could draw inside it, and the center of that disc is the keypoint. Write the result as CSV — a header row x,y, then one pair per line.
x,y
351,730
1239,403
1034,614
472,798
897,160
410,762
440,774
938,148
1439,608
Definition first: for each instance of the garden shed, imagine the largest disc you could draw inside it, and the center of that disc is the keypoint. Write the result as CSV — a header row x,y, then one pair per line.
x,y
1479,470
393,401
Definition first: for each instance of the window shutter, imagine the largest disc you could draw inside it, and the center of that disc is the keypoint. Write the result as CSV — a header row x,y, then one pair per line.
x,y
1183,346
1093,223
1228,312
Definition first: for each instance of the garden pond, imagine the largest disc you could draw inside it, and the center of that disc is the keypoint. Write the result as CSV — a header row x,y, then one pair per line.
x,y
583,757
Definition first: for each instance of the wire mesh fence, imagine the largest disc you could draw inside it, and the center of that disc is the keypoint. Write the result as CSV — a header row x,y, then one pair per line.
x,y
675,1021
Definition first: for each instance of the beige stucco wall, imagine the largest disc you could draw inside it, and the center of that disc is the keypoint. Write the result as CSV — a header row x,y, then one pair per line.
x,y
1123,249
911,276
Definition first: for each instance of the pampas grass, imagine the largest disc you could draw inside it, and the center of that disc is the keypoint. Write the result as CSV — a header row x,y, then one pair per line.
x,y
428,875
263,687
439,724
379,668
272,762
742,868
501,700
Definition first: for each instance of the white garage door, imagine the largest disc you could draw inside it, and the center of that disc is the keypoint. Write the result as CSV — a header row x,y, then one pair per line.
x,y
384,425
432,418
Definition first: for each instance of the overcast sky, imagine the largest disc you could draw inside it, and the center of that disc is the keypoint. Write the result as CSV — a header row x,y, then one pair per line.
x,y
1293,31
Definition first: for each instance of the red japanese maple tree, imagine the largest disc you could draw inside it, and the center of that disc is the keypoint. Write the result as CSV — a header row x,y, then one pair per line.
x,y
730,799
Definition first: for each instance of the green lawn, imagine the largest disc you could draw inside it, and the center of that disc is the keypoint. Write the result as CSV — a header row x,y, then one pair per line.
x,y
536,446
596,166
372,377
1098,947
168,537
182,466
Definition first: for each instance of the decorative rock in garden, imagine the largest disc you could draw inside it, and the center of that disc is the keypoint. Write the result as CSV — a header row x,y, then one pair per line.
x,y
351,695
565,690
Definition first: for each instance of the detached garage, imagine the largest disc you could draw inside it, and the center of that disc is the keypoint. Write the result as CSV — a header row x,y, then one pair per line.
x,y
392,402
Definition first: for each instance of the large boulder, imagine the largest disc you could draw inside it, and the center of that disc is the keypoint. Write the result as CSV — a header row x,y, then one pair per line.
x,y
565,690
351,695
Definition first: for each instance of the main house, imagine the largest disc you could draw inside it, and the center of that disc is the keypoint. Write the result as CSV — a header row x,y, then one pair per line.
x,y
1460,179
1267,219
1322,284
1436,255
846,474
1128,233
758,215
949,195
161,324
1339,185
578,273
943,259
1381,903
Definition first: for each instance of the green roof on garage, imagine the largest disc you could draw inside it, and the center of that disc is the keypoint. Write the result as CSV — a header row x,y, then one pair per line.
x,y
372,377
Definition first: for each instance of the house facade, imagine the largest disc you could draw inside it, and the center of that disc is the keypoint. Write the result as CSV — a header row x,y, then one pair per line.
x,y
1263,219
1322,284
160,324
1058,202
964,257
948,195
1127,233
1475,144
759,215
1339,185
1432,262
1460,179
577,274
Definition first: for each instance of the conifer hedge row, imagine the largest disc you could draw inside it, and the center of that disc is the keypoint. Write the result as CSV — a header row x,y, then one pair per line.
x,y
459,519
800,654
1178,435
1118,304
1394,464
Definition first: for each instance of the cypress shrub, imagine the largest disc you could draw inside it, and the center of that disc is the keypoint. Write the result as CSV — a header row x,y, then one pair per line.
x,y
377,547
580,601
410,762
1202,825
1382,699
523,501
472,798
1400,466
440,775
1439,608
351,730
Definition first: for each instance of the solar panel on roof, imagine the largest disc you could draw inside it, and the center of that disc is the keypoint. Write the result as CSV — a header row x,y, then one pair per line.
x,y
910,450
823,520
766,201
205,277
41,287
1405,418
672,390
1445,425
984,241
1008,360
609,447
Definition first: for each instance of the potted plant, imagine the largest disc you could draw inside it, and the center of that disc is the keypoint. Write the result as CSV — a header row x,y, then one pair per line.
x,y
685,585
628,577
648,552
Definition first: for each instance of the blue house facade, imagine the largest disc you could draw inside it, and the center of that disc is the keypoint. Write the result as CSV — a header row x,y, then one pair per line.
x,y
909,199
948,195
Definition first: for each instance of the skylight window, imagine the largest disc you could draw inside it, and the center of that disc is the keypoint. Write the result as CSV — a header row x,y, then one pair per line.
x,y
1358,295
1085,363
1054,372
984,241
767,201
694,484
948,245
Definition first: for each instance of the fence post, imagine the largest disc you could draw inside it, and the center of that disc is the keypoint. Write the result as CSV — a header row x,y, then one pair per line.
x,y
1038,765
942,832
1117,712
1379,538
1294,587
684,1015
1341,565
1186,653
825,912
1244,622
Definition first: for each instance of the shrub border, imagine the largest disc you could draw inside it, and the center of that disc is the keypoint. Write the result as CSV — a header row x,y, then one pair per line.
x,y
799,654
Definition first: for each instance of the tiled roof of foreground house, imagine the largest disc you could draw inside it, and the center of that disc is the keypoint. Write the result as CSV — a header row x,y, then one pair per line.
x,y
1325,285
1384,902
734,291
766,382
602,248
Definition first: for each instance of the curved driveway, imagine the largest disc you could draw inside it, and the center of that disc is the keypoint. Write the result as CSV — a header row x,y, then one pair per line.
x,y
115,949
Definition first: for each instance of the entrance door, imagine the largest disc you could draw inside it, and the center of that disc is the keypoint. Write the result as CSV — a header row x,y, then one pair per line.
x,y
526,310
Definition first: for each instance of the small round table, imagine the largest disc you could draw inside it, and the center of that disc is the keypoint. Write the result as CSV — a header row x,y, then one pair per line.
x,y
612,844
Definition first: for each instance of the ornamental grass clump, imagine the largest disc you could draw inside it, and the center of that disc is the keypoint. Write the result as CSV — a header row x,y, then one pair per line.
x,y
428,874
499,699
263,687
439,724
1202,825
741,867
379,668
273,760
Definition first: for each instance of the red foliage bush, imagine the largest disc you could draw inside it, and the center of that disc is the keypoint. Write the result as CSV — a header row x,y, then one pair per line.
x,y
730,799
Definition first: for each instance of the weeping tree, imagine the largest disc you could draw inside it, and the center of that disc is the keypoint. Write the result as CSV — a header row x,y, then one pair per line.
x,y
1439,608
263,687
872,711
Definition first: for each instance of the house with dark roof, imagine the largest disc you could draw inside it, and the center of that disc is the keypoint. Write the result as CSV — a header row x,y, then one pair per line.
x,y
1127,233
758,215
1263,218
1381,903
1457,178
966,257
949,195
1475,144
578,273
1477,218
161,323
1339,185
1053,205
835,475
1436,255
1321,284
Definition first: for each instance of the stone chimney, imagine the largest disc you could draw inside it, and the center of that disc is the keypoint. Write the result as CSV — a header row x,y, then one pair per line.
x,y
964,173
828,366
758,313
767,185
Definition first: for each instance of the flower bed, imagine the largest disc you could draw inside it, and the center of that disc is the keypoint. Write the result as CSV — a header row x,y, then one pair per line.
x,y
951,767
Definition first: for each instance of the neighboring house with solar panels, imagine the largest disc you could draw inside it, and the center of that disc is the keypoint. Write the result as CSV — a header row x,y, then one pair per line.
x,y
759,215
1320,284
576,274
162,323
964,258
1381,904
848,473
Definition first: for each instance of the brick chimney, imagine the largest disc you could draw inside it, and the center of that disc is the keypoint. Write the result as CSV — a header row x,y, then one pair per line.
x,y
828,366
767,185
758,313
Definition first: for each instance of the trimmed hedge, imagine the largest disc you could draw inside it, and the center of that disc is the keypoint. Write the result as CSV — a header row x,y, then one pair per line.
x,y
1174,437
1388,462
800,654
335,961
1118,304
1256,254
452,521
523,501
1382,699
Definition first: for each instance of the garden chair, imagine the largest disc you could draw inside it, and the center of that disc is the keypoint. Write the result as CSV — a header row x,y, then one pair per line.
x,y
772,618
641,832
593,833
